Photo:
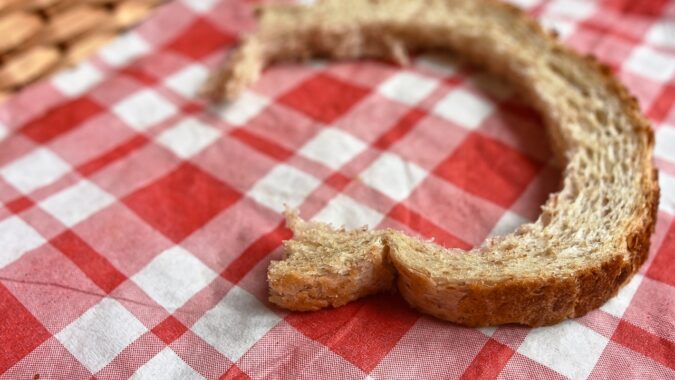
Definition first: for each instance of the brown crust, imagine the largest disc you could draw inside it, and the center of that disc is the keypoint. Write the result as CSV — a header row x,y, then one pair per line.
x,y
538,303
534,303
529,301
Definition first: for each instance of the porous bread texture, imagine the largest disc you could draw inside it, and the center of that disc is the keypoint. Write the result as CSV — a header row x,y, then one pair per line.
x,y
328,267
591,236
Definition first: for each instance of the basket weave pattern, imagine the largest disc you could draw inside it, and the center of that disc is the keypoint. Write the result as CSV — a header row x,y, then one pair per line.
x,y
42,36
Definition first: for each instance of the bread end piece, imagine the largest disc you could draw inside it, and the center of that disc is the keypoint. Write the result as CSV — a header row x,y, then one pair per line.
x,y
326,267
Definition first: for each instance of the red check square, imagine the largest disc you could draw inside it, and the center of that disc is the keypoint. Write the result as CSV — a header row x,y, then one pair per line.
x,y
234,373
200,39
61,119
20,332
663,104
663,266
20,204
652,346
94,265
169,329
323,97
489,361
182,201
489,169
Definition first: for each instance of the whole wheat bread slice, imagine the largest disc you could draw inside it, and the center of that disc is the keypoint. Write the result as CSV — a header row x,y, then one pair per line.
x,y
591,237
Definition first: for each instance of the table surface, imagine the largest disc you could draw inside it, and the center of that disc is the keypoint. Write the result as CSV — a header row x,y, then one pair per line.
x,y
137,221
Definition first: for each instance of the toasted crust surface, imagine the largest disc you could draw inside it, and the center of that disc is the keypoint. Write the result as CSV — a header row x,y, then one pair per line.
x,y
591,237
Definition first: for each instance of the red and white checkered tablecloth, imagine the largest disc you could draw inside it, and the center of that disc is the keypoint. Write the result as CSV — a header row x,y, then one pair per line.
x,y
137,222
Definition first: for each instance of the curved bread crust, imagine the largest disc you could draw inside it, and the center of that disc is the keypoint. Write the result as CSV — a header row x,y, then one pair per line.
x,y
591,237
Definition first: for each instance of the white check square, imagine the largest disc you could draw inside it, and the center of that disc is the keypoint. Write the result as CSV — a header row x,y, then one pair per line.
x,y
166,365
407,87
235,323
393,176
508,223
568,347
17,238
124,49
188,137
618,304
438,63
667,185
487,331
344,211
651,64
524,3
571,9
77,203
173,277
247,106
77,80
100,334
662,33
283,185
464,108
188,81
333,147
201,6
144,109
34,170
665,143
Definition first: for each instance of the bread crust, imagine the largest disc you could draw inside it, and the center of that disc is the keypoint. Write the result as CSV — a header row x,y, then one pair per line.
x,y
533,299
540,302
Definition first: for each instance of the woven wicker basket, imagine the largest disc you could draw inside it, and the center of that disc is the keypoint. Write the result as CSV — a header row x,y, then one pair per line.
x,y
42,36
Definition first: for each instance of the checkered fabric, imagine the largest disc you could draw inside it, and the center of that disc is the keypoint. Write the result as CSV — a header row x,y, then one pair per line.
x,y
137,221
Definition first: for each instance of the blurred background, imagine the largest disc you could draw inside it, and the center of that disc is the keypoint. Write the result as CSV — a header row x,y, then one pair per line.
x,y
40,37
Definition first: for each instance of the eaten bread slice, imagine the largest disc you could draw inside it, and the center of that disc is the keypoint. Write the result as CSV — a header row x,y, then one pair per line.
x,y
591,236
